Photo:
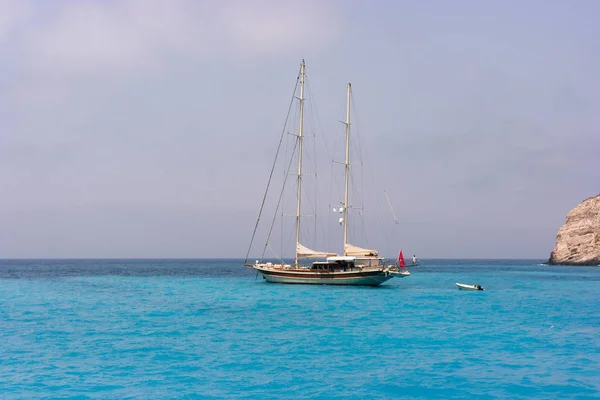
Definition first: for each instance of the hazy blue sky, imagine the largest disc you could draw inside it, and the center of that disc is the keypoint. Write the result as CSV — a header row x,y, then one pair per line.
x,y
146,128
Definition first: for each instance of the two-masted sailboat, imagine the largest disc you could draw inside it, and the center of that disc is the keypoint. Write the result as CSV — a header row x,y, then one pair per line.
x,y
357,266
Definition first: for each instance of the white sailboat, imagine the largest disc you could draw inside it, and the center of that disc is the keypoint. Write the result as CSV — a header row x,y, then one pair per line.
x,y
356,266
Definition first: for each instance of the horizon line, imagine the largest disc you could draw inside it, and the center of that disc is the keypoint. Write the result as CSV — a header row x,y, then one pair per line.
x,y
243,258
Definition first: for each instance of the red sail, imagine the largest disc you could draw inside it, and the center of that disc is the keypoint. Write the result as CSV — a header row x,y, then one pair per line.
x,y
401,260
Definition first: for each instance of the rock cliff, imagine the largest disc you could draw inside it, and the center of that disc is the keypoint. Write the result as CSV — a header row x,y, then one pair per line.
x,y
578,240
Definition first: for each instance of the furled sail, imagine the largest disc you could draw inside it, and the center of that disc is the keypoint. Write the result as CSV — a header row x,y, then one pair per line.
x,y
308,253
351,250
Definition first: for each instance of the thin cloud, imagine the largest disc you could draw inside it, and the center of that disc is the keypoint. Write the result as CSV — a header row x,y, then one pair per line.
x,y
279,26
12,14
91,37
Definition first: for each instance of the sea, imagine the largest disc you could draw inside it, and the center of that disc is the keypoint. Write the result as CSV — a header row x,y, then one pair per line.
x,y
212,329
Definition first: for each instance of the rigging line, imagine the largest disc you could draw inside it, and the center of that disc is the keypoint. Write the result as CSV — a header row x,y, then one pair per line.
x,y
308,198
318,223
362,149
362,175
338,137
386,227
290,238
362,154
279,200
279,256
307,194
360,200
312,162
285,173
390,204
329,211
282,227
272,169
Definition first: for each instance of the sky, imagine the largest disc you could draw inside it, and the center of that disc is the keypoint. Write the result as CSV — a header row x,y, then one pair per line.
x,y
147,128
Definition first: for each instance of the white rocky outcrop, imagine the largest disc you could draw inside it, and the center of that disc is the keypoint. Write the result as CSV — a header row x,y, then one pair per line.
x,y
578,240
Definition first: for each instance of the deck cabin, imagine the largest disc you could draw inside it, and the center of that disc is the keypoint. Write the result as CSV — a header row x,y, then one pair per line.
x,y
335,264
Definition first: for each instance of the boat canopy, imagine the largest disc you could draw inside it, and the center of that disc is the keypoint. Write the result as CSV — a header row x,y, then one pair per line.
x,y
341,258
308,253
351,250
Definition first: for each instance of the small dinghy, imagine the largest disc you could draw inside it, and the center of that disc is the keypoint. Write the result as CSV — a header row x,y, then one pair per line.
x,y
400,273
462,286
398,270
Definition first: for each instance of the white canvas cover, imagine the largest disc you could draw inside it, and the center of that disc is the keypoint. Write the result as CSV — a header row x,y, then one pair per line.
x,y
308,253
351,250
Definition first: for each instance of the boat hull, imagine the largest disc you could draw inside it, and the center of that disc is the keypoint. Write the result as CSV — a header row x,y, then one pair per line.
x,y
353,278
468,287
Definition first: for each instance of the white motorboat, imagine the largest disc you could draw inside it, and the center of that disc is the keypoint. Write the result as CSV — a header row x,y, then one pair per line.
x,y
462,286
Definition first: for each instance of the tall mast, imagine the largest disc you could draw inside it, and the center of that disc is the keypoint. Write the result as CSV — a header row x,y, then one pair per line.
x,y
299,194
347,164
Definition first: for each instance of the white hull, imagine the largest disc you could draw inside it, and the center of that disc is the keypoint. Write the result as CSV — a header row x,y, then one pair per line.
x,y
365,277
357,281
400,274
462,286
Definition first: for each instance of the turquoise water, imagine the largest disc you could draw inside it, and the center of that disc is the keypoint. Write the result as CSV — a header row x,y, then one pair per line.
x,y
208,329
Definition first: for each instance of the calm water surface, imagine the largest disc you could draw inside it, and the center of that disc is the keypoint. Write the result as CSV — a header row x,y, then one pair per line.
x,y
209,329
